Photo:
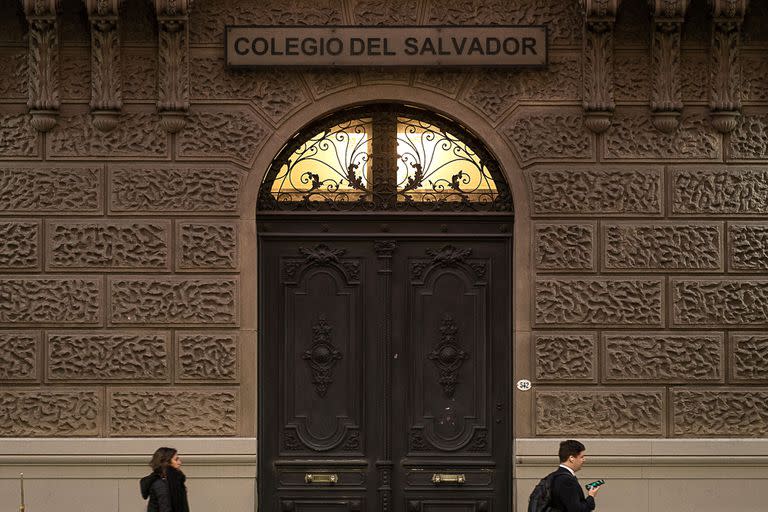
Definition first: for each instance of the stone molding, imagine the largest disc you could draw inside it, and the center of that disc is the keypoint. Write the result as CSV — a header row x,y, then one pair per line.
x,y
666,90
43,68
106,79
597,48
173,63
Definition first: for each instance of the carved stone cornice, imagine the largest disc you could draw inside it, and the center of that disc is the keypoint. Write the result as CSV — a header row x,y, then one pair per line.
x,y
106,81
43,102
597,72
173,63
724,90
666,91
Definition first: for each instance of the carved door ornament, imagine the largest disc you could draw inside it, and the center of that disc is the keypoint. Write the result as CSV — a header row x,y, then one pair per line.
x,y
173,63
44,101
666,90
600,17
106,80
322,356
448,356
725,80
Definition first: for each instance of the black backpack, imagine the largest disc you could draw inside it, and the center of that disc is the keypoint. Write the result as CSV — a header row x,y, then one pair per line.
x,y
541,496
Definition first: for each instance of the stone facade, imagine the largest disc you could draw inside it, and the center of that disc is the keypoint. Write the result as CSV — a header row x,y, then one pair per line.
x,y
127,202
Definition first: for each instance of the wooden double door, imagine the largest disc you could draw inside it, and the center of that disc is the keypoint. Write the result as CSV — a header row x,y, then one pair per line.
x,y
384,366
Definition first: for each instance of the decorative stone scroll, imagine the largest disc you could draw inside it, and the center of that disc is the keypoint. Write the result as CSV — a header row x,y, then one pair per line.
x,y
43,82
173,63
666,90
725,75
600,17
106,82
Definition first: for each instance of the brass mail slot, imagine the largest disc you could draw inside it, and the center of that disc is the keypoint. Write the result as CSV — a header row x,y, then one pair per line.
x,y
448,478
321,478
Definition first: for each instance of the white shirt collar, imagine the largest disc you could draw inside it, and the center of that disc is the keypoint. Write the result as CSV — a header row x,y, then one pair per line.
x,y
569,469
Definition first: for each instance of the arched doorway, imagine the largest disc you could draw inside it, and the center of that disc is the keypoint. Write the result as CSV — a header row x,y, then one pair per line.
x,y
385,262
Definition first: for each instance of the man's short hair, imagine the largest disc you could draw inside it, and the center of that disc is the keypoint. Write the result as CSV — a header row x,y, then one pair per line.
x,y
568,448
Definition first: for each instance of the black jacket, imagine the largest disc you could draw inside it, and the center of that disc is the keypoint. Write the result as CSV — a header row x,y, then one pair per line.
x,y
567,495
156,489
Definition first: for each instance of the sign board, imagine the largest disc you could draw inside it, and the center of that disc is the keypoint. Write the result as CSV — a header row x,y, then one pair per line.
x,y
450,46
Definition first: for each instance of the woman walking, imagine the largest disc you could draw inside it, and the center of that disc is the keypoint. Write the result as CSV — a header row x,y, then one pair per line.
x,y
165,487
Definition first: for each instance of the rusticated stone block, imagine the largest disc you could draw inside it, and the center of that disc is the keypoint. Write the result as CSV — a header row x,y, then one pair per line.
x,y
18,139
546,134
720,190
18,355
600,413
633,136
19,244
749,141
663,357
206,356
662,246
494,92
749,357
599,301
206,245
326,81
174,300
564,246
50,413
443,81
632,76
721,413
166,412
565,356
386,76
720,301
138,134
694,75
276,93
563,19
106,356
754,69
108,245
232,134
75,73
13,73
585,191
175,190
60,190
394,12
206,26
50,300
748,246
139,73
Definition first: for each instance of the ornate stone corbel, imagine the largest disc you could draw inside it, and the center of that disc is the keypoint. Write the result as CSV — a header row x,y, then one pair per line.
x,y
106,82
599,18
666,92
173,63
724,90
43,85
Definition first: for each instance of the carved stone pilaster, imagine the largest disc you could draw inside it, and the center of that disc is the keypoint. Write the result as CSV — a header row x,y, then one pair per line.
x,y
666,91
106,82
173,63
724,90
600,16
43,68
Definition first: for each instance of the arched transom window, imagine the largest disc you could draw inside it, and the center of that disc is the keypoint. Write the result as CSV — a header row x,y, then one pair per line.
x,y
384,157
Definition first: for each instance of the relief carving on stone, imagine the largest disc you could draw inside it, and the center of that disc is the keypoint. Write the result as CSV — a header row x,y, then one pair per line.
x,y
173,63
392,12
18,138
748,246
76,356
725,79
736,302
50,413
18,355
222,134
50,300
721,413
43,189
14,73
206,246
749,140
19,245
43,84
749,357
754,70
140,77
172,412
106,80
631,78
666,89
75,74
600,413
663,357
719,190
564,246
597,49
566,356
206,356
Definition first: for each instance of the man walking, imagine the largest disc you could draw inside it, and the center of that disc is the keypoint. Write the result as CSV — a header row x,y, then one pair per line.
x,y
567,495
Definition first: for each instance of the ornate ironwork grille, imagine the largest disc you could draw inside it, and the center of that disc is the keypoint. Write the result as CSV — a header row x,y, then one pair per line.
x,y
384,158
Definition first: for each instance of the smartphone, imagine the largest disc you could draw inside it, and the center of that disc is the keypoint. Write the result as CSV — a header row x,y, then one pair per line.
x,y
592,485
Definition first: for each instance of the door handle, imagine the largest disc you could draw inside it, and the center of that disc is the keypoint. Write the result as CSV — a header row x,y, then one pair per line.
x,y
448,478
321,478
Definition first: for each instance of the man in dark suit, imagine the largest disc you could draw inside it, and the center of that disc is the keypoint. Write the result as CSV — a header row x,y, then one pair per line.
x,y
567,495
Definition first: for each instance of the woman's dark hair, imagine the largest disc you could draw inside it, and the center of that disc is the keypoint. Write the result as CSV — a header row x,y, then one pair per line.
x,y
568,448
161,459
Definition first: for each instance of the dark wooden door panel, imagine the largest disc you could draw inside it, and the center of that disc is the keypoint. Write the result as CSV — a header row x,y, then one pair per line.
x,y
322,505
